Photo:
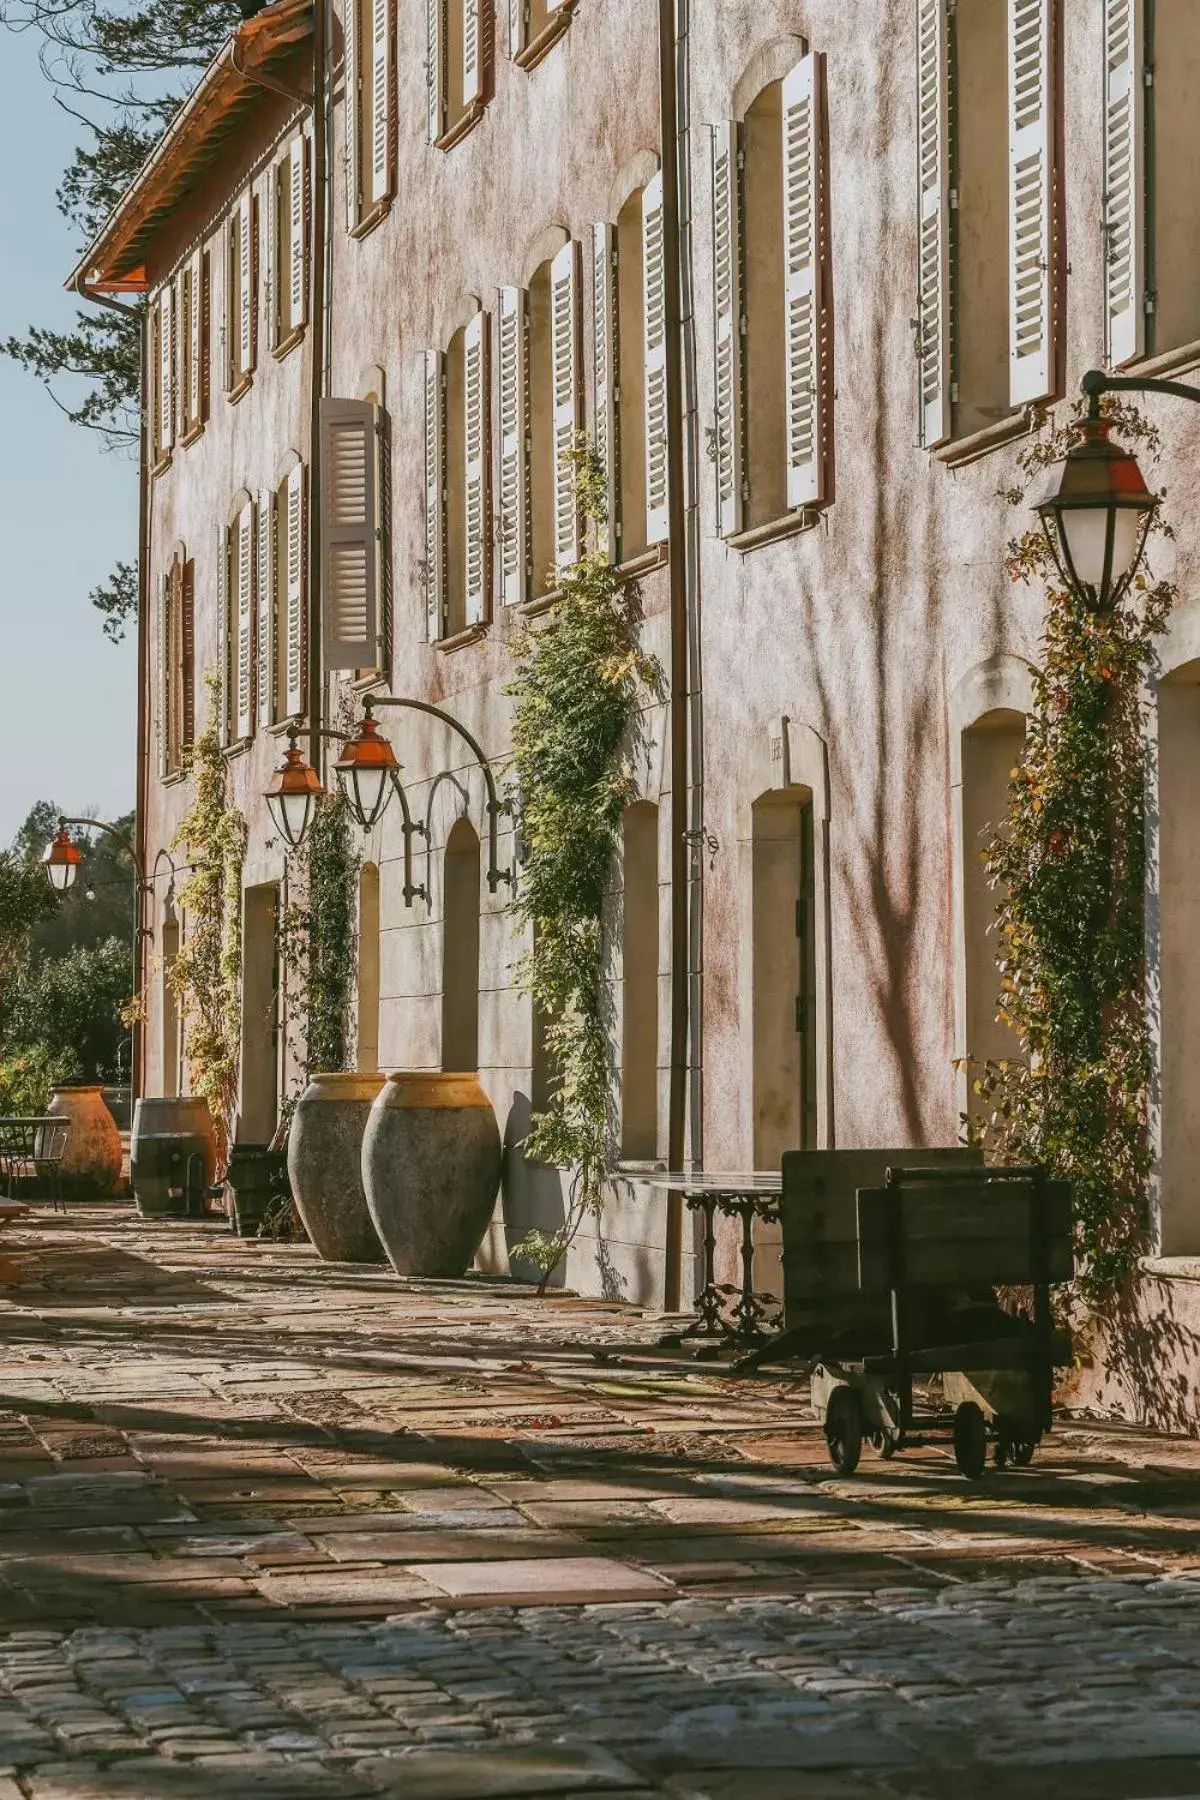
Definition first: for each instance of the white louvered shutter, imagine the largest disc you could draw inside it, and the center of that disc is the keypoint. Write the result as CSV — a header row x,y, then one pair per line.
x,y
293,587
727,348
266,657
381,96
349,534
516,26
195,342
654,326
435,494
933,251
275,260
226,302
476,390
166,370
244,552
803,283
245,270
224,702
606,376
435,66
162,696
1030,200
352,151
472,36
565,395
513,357
297,234
1124,153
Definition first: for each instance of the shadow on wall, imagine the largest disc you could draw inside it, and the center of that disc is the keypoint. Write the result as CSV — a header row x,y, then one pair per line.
x,y
532,1195
1144,1360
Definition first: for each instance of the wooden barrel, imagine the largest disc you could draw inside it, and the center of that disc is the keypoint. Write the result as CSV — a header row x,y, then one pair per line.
x,y
167,1134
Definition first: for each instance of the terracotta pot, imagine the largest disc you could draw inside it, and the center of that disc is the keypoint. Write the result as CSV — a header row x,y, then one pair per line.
x,y
92,1162
325,1166
167,1139
431,1169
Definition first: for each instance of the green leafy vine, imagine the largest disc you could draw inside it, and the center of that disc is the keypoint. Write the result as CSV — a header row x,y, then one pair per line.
x,y
318,936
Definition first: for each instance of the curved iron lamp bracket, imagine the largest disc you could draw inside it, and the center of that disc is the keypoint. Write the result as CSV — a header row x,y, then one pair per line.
x,y
145,887
412,827
1096,382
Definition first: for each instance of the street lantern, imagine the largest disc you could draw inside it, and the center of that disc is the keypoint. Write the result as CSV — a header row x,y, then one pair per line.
x,y
62,859
1097,520
365,771
292,793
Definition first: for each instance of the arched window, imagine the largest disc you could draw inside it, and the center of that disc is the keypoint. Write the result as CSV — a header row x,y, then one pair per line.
x,y
639,983
629,301
991,748
369,121
175,653
457,484
458,65
460,949
368,969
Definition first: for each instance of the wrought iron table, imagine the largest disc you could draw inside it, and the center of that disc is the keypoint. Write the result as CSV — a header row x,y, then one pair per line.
x,y
745,1196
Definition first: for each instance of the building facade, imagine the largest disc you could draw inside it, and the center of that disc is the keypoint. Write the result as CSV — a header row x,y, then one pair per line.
x,y
812,276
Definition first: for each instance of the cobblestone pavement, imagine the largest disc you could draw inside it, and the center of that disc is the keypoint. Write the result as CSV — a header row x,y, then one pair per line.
x,y
270,1528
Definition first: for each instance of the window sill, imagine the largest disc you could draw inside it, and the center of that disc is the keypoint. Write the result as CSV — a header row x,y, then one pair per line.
x,y
1183,356
541,603
805,518
232,751
961,451
461,126
173,779
367,224
241,386
364,681
1171,1268
632,1169
192,435
282,726
643,563
161,466
547,37
458,640
286,345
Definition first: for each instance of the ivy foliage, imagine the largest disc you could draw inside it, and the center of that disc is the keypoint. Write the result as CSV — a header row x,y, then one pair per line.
x,y
1069,867
206,974
577,689
318,935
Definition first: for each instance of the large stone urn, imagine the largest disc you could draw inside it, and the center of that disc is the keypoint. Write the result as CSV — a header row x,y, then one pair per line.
x,y
91,1164
325,1165
431,1170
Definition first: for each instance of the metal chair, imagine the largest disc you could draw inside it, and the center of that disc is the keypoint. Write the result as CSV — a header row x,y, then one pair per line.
x,y
32,1149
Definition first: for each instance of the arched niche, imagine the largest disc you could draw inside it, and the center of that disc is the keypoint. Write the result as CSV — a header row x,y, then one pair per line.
x,y
460,949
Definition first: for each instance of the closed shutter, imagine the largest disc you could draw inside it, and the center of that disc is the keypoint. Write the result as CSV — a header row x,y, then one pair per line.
x,y
266,656
162,684
654,326
245,285
195,342
516,26
352,150
381,101
565,393
435,494
293,553
1124,176
297,170
803,298
205,336
1030,200
607,376
435,66
933,252
514,444
244,648
275,280
227,303
727,349
170,352
473,30
174,683
224,685
349,534
187,663
476,390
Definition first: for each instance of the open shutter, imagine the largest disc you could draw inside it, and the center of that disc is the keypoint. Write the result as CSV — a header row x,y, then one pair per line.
x,y
514,444
802,283
473,27
435,494
1030,199
245,285
224,685
476,390
265,657
352,150
1124,152
933,253
297,169
195,342
381,98
565,391
226,302
162,684
205,359
727,351
435,66
244,648
293,551
169,344
187,657
516,27
174,683
604,364
654,326
349,534
275,280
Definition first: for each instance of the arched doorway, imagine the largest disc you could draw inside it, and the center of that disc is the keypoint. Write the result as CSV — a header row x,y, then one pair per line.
x,y
639,983
460,949
368,969
785,988
169,1080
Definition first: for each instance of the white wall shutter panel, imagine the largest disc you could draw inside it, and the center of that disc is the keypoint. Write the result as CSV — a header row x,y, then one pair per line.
x,y
293,584
727,350
352,150
472,36
170,342
803,284
195,278
476,390
565,395
349,534
516,27
606,375
297,234
265,657
654,326
224,703
275,260
435,494
1030,199
1124,151
933,251
435,66
244,648
513,358
226,303
381,94
162,695
245,266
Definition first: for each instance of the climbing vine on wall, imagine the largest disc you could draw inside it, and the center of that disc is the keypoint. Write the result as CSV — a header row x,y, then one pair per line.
x,y
206,974
1069,868
317,933
577,689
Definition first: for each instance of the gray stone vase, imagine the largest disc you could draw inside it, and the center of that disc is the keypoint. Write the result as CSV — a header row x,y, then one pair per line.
x,y
325,1166
431,1170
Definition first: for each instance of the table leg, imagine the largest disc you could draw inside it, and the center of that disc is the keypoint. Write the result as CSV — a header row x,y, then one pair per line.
x,y
708,1321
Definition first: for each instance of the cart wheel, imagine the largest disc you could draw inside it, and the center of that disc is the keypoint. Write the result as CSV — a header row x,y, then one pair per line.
x,y
843,1430
970,1440
887,1443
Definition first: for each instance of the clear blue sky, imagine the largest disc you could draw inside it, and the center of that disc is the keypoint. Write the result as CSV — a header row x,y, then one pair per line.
x,y
68,509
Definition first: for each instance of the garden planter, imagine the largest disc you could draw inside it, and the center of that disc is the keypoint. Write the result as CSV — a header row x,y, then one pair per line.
x,y
91,1165
431,1169
256,1175
172,1156
324,1159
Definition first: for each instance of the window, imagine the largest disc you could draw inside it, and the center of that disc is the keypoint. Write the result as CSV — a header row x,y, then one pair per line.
x,y
163,337
238,566
193,337
771,439
458,511
369,147
533,25
540,414
629,295
281,633
351,536
175,632
287,247
988,226
241,296
457,65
